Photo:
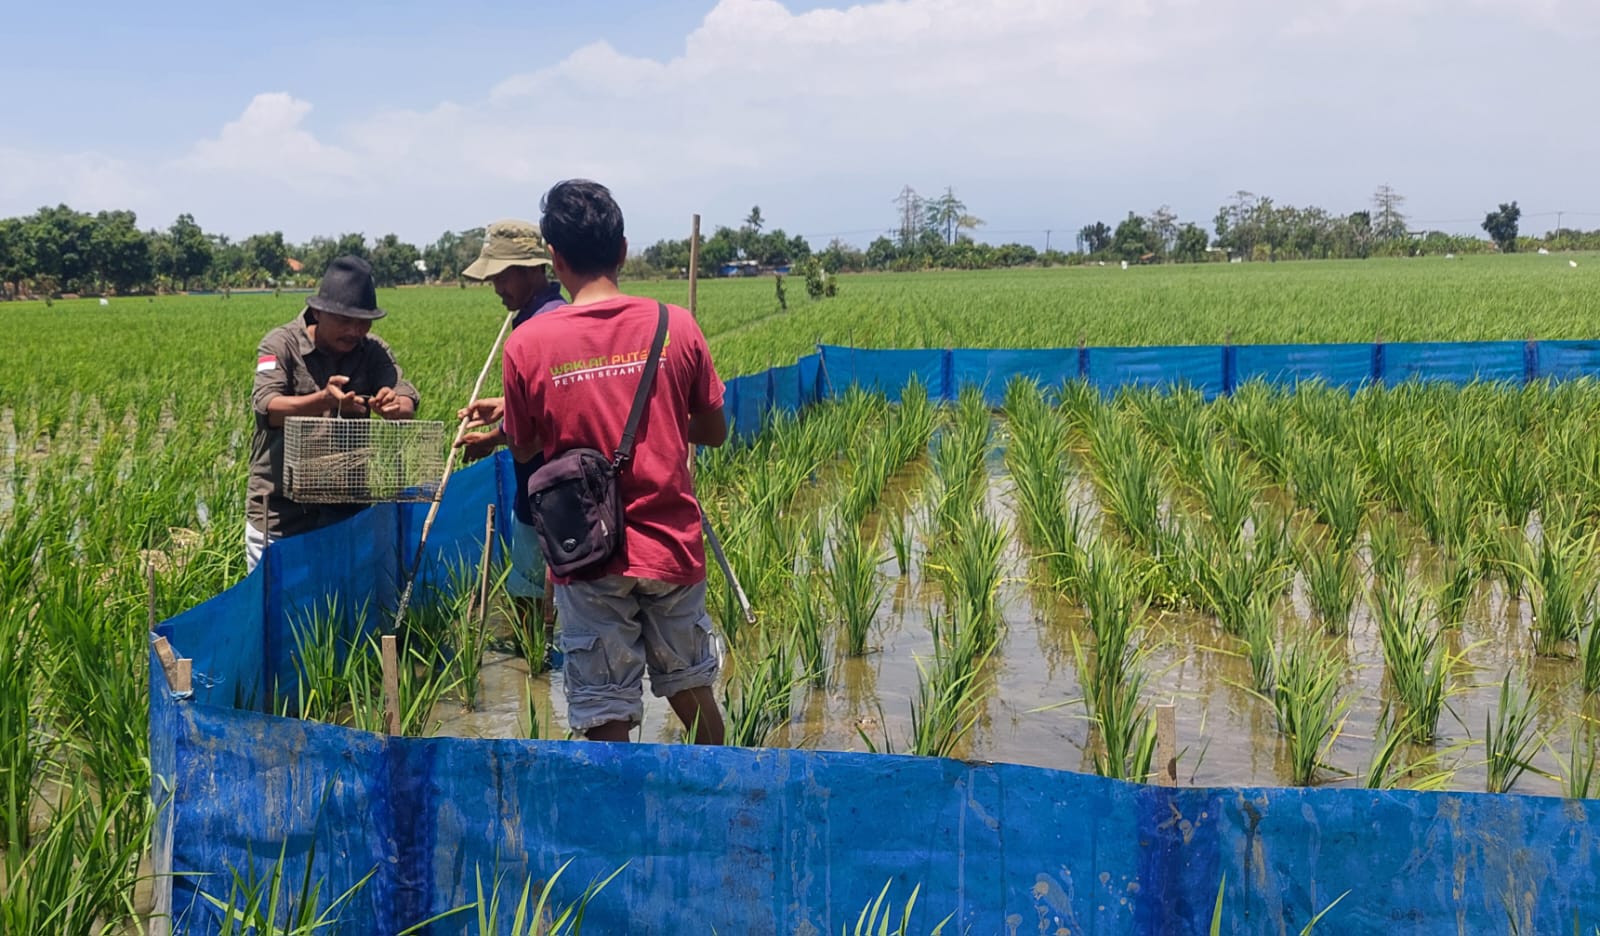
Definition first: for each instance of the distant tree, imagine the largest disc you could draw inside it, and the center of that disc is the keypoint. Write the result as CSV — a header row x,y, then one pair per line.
x,y
1094,238
394,262
119,252
453,252
351,245
839,256
881,254
268,253
944,214
14,256
1388,223
1133,239
912,214
1191,243
60,243
1501,226
190,251
721,248
753,221
1164,229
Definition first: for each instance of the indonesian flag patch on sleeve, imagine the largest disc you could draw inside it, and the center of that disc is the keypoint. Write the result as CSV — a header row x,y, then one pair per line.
x,y
265,363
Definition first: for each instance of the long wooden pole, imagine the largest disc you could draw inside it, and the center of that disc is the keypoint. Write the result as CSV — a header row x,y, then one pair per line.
x,y
694,263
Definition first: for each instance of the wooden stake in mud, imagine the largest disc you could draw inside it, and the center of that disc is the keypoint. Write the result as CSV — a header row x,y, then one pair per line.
x,y
483,565
150,585
180,672
1166,745
694,262
391,685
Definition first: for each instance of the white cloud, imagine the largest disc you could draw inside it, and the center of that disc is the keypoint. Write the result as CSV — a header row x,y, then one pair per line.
x,y
87,181
1041,112
268,141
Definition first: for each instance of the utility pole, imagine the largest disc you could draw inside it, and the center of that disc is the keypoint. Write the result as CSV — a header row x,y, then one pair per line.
x,y
1046,240
1558,222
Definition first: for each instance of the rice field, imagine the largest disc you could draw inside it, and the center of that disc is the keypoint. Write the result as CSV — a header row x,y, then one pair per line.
x,y
1396,589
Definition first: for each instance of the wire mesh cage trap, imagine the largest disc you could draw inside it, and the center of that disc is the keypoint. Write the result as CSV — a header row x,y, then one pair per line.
x,y
361,461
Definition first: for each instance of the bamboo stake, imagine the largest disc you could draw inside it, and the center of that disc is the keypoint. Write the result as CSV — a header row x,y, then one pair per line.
x,y
483,566
150,585
391,684
1167,744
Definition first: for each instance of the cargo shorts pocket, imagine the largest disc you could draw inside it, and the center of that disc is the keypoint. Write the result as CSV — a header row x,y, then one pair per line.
x,y
600,686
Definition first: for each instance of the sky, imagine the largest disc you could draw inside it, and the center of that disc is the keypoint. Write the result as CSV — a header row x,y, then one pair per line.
x,y
1041,115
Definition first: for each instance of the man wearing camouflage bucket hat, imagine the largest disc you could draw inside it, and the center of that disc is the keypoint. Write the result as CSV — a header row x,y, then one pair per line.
x,y
515,260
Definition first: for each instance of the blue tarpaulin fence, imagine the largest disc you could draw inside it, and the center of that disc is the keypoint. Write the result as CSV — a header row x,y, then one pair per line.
x,y
785,841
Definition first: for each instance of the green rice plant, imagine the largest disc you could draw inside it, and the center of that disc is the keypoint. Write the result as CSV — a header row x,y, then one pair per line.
x,y
1258,414
1514,480
1331,584
530,711
424,679
1232,577
1307,930
1563,580
1311,710
900,539
1507,552
1578,782
1110,595
1125,734
1389,769
1227,490
1128,477
1387,552
870,923
533,914
1459,577
1415,657
1511,735
261,904
1078,401
1258,630
855,585
809,631
1333,488
78,871
320,660
945,708
763,701
912,423
25,750
968,568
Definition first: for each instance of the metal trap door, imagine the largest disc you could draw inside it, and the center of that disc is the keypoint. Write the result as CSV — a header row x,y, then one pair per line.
x,y
361,461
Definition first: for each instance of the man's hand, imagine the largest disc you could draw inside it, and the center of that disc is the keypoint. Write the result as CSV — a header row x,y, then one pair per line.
x,y
485,412
389,405
347,404
476,445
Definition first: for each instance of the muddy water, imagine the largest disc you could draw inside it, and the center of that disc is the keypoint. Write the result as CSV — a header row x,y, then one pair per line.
x,y
1031,714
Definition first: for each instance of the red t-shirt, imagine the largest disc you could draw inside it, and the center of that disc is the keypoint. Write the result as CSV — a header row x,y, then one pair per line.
x,y
570,377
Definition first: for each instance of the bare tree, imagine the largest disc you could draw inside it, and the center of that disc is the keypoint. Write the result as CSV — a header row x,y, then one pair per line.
x,y
1387,221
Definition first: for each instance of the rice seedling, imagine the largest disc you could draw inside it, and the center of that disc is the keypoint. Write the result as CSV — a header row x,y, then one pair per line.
x,y
1311,710
1332,488
1227,490
870,923
809,632
77,873
1125,734
1331,584
1563,580
1387,552
262,902
1511,736
855,585
968,567
1389,769
1415,657
1506,551
1258,630
530,711
1459,575
24,750
1578,782
532,914
763,701
1257,417
1128,477
912,423
945,708
900,539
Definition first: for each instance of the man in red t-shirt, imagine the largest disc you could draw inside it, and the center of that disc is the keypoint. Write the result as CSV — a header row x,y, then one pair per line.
x,y
570,378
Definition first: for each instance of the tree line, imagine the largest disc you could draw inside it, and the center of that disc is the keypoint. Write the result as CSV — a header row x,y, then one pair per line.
x,y
58,250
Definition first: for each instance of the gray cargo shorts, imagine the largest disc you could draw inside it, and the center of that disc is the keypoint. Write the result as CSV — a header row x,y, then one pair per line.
x,y
614,629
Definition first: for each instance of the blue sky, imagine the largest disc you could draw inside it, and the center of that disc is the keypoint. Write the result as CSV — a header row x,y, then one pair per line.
x,y
1042,114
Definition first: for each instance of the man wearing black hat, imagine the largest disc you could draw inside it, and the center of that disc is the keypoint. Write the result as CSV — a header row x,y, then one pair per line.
x,y
321,364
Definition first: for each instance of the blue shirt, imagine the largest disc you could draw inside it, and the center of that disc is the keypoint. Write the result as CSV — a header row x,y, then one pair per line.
x,y
544,300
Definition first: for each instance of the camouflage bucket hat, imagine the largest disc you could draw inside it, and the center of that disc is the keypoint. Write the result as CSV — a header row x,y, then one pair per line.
x,y
507,244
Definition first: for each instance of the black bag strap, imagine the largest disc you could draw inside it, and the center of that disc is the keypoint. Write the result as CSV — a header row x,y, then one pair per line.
x,y
646,381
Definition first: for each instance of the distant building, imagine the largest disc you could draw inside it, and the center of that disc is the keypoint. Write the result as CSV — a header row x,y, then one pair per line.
x,y
740,268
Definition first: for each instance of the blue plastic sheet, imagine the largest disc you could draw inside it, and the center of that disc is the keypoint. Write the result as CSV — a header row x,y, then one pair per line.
x,y
992,371
763,841
1198,366
888,371
1456,362
1338,365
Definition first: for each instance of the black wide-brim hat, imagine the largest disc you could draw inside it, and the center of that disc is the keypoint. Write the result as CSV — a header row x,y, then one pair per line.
x,y
347,289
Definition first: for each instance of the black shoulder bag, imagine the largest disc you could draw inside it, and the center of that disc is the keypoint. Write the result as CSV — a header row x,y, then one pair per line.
x,y
573,497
